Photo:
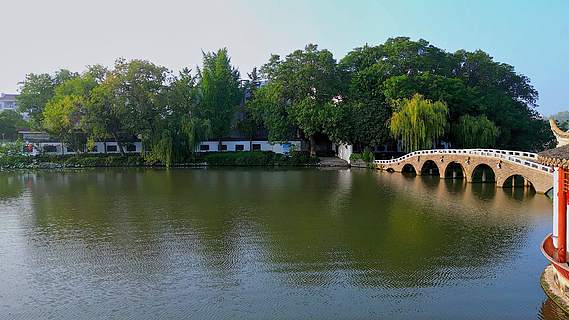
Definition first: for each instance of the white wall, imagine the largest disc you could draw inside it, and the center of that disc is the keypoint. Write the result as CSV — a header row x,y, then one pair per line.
x,y
345,151
38,147
213,146
264,145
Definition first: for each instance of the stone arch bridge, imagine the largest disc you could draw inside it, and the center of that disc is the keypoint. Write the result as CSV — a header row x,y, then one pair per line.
x,y
476,165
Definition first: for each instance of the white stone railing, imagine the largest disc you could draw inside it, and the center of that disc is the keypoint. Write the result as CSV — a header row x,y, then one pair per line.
x,y
526,159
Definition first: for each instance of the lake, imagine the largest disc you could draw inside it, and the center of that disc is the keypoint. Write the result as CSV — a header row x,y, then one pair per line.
x,y
262,243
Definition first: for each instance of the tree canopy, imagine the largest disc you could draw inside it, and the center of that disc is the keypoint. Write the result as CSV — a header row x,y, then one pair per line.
x,y
374,95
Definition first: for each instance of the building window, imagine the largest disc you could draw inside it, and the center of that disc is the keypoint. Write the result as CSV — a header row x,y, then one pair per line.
x,y
131,147
239,147
70,149
257,146
112,149
49,148
204,147
223,147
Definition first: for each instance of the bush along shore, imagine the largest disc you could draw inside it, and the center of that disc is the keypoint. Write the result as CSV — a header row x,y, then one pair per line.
x,y
230,158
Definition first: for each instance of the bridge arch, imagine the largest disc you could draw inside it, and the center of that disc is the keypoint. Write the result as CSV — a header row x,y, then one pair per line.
x,y
454,170
409,168
483,173
430,167
515,181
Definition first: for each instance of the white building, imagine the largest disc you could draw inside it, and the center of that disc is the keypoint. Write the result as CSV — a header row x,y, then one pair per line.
x,y
8,102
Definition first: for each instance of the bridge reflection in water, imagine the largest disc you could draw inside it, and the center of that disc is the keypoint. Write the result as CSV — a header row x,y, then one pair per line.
x,y
505,168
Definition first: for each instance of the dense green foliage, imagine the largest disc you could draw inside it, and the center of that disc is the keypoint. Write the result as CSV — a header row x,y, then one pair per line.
x,y
11,152
300,92
10,122
258,158
476,132
420,123
368,98
219,91
352,101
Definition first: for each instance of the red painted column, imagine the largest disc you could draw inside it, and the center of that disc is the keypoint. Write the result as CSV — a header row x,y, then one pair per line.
x,y
562,225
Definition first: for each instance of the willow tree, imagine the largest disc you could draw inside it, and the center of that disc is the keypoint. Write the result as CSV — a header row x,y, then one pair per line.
x,y
476,132
418,122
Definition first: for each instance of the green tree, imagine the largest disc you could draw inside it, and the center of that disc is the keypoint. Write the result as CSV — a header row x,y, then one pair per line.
x,y
249,122
10,122
304,90
476,132
142,91
64,112
106,113
418,122
219,91
35,92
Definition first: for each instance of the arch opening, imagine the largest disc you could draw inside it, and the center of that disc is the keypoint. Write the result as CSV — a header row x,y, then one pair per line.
x,y
429,168
517,181
483,173
454,170
408,168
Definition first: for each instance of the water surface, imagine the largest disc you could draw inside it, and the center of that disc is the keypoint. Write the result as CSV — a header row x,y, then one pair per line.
x,y
244,243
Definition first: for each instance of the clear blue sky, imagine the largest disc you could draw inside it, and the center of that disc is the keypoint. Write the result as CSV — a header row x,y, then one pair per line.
x,y
42,36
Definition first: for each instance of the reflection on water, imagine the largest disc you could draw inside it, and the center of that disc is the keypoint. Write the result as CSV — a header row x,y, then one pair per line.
x,y
256,243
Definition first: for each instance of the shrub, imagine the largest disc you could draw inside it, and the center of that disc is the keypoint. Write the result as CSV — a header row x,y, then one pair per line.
x,y
11,153
354,157
367,156
325,153
258,158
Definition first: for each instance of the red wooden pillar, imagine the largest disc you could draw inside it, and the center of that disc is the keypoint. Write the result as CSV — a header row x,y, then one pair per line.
x,y
562,225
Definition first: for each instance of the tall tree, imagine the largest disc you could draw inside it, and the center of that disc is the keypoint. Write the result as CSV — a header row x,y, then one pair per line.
x,y
307,83
106,113
249,122
219,91
418,122
64,112
142,89
36,90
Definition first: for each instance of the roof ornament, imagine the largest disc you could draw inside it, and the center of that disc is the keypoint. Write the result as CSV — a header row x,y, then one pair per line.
x,y
562,137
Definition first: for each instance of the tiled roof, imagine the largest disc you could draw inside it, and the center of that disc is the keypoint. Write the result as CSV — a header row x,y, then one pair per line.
x,y
558,157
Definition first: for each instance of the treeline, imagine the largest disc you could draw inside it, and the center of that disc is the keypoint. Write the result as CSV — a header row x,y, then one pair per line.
x,y
402,89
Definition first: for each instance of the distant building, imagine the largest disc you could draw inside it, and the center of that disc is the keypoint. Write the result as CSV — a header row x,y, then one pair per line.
x,y
8,102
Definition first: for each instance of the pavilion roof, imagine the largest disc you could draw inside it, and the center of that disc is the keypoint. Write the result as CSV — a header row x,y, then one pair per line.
x,y
557,157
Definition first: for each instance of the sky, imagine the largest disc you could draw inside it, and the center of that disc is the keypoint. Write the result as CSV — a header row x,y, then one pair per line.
x,y
41,36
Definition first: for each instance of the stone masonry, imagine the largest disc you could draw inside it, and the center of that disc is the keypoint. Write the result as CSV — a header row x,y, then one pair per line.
x,y
542,181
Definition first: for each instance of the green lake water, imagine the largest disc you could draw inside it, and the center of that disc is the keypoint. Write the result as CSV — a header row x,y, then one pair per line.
x,y
252,243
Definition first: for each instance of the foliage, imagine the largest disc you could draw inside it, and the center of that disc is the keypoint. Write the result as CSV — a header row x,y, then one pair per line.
x,y
10,122
96,160
305,94
418,122
476,132
325,153
219,91
561,116
36,90
11,152
258,158
354,157
300,91
367,156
